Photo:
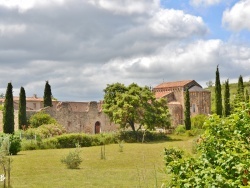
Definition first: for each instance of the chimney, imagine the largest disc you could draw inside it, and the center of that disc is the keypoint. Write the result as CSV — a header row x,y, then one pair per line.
x,y
35,96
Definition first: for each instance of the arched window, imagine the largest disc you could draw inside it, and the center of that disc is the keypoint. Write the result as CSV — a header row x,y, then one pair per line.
x,y
97,127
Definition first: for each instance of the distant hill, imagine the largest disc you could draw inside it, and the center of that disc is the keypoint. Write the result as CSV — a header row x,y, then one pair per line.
x,y
233,91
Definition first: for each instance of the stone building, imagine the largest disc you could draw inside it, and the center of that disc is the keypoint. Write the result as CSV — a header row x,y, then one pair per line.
x,y
174,92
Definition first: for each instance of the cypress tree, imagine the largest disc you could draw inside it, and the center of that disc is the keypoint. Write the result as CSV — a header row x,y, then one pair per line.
x,y
8,112
47,98
247,96
218,97
22,119
187,111
240,90
227,98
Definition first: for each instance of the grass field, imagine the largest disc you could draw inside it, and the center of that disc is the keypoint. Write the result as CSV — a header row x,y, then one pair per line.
x,y
139,165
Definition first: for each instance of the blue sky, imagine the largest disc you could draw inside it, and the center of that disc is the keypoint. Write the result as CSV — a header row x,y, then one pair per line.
x,y
81,46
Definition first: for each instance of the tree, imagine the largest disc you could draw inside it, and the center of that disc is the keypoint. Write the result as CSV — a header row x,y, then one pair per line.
x,y
187,111
240,90
8,112
227,106
218,98
247,95
128,106
47,95
22,118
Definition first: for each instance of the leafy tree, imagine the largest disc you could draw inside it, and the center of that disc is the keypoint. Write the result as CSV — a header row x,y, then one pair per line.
x,y
22,118
187,111
47,98
218,97
128,106
8,112
223,157
227,106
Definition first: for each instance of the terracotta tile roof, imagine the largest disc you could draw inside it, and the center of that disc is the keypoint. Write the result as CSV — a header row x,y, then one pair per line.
x,y
173,84
162,94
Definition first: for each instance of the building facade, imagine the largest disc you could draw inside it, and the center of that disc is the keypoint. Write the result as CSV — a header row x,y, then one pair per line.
x,y
174,92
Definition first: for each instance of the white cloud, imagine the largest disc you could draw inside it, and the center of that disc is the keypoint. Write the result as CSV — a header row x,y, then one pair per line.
x,y
204,2
11,29
237,18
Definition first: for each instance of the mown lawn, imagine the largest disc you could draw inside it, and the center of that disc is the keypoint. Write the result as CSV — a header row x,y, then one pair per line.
x,y
139,165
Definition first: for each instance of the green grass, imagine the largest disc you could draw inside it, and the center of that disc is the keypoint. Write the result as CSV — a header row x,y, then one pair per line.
x,y
139,165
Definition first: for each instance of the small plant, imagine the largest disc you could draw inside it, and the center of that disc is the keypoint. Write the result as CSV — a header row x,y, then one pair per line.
x,y
103,152
121,146
73,159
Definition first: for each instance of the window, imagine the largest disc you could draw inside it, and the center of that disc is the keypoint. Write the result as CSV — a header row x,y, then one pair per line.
x,y
193,108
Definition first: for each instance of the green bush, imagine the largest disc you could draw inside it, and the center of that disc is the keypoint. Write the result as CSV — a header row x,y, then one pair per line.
x,y
44,131
41,118
29,145
180,129
223,155
73,159
198,121
10,144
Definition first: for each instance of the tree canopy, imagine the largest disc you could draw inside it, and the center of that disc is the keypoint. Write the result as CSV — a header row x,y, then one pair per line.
x,y
22,119
218,97
131,105
187,111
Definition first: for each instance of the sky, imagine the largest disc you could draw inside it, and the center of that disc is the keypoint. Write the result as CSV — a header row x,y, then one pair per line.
x,y
81,46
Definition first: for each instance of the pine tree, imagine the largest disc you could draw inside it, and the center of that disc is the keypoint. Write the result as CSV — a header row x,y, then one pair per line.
x,y
22,119
47,95
218,97
187,111
8,112
227,106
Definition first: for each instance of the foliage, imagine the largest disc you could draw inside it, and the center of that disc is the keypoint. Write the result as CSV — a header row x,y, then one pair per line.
x,y
41,118
187,119
10,144
180,129
227,106
8,112
128,106
218,97
224,155
44,131
73,159
198,121
22,119
47,97
247,96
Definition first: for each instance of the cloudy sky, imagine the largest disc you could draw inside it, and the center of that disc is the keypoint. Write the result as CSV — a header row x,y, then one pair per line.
x,y
80,46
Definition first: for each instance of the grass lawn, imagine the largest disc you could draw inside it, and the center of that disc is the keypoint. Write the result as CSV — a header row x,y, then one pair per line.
x,y
139,165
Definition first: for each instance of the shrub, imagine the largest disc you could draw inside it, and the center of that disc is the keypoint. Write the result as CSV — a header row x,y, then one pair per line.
x,y
73,159
198,121
180,129
41,118
10,144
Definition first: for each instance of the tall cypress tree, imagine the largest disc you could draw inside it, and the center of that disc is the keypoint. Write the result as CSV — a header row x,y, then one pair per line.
x,y
218,98
187,119
8,112
227,106
22,118
247,96
47,98
240,90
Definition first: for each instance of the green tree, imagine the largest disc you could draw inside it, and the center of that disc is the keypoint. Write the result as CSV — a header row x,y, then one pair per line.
x,y
128,106
8,112
227,106
187,119
218,97
41,118
22,118
47,98
247,95
240,90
